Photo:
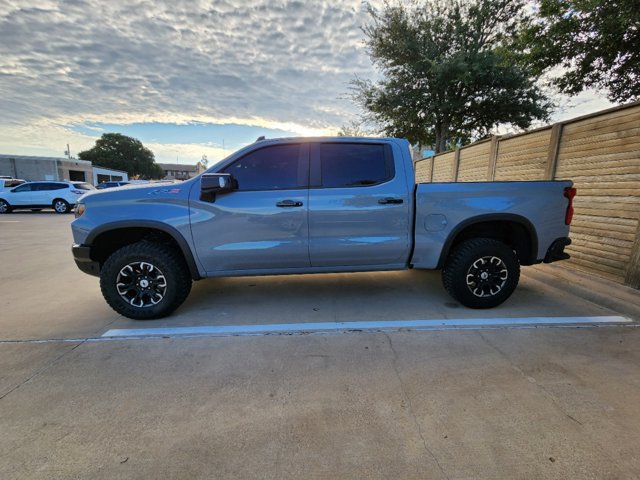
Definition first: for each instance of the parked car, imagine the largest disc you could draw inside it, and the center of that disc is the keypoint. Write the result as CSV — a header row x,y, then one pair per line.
x,y
320,205
61,196
7,183
104,185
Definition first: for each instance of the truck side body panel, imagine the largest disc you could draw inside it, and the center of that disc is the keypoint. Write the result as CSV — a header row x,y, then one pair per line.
x,y
444,209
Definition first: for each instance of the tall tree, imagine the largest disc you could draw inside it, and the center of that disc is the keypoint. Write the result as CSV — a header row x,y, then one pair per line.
x,y
117,151
450,71
596,43
353,129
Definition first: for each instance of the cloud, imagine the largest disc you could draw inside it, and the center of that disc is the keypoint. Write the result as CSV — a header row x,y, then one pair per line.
x,y
192,59
179,152
278,64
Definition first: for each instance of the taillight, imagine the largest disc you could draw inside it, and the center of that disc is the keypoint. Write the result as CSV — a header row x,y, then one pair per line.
x,y
570,193
78,192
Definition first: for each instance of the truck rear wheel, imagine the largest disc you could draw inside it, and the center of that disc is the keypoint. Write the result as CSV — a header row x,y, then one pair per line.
x,y
145,280
481,273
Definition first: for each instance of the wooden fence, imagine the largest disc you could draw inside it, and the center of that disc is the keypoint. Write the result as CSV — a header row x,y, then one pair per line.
x,y
599,152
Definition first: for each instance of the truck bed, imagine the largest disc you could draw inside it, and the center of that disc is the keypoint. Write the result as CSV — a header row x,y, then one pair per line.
x,y
443,209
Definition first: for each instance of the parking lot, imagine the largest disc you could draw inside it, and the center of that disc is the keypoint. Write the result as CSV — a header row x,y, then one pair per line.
x,y
304,381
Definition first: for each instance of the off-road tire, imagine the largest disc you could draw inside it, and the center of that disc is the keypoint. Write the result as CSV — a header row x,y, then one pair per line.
x,y
162,257
460,267
5,207
61,206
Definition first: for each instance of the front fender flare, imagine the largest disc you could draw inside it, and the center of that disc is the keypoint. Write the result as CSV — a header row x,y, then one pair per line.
x,y
168,229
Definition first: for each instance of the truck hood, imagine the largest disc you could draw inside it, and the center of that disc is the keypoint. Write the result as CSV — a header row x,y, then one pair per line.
x,y
136,191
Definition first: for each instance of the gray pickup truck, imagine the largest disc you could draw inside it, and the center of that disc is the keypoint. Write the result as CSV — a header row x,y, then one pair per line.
x,y
316,205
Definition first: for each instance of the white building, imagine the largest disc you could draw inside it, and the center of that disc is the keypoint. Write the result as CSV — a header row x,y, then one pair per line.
x,y
101,174
34,168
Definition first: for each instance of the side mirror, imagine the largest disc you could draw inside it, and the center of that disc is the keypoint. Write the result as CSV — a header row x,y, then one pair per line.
x,y
213,183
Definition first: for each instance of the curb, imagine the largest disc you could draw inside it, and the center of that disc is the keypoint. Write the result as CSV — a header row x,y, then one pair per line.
x,y
614,296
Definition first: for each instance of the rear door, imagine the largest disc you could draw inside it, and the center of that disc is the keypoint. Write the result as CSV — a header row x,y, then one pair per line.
x,y
45,192
263,224
358,206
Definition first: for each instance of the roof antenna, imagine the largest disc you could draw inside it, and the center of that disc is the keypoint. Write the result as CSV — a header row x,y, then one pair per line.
x,y
260,138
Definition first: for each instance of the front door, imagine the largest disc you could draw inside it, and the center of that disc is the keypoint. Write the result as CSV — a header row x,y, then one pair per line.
x,y
21,195
263,224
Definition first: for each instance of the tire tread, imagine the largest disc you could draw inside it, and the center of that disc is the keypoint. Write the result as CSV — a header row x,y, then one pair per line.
x,y
172,261
454,270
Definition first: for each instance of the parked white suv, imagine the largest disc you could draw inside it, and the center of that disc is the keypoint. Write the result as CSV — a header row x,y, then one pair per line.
x,y
61,196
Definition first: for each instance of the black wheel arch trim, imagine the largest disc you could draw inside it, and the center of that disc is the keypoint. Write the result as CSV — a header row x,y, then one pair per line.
x,y
490,217
168,229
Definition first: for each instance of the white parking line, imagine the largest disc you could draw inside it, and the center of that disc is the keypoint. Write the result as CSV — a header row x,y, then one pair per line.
x,y
337,327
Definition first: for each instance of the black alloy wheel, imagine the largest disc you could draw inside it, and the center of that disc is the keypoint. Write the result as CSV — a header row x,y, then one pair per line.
x,y
481,273
145,280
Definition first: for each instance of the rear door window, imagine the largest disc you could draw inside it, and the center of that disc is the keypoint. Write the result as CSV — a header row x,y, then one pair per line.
x,y
354,164
47,186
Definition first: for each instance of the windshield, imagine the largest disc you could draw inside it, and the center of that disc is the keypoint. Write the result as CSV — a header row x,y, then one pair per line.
x,y
212,167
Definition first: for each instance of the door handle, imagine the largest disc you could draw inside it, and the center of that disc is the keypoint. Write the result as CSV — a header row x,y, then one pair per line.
x,y
288,204
390,201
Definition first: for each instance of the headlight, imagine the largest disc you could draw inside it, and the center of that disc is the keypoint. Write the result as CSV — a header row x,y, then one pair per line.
x,y
80,208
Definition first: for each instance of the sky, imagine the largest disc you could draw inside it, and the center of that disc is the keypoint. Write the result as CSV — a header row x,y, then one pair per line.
x,y
186,77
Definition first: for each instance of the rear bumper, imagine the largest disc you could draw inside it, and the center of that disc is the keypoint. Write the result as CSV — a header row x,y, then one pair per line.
x,y
556,250
82,257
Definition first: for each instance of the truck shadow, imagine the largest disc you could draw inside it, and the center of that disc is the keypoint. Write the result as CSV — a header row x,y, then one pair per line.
x,y
375,296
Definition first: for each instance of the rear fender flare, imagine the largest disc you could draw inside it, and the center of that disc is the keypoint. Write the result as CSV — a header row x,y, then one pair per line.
x,y
491,217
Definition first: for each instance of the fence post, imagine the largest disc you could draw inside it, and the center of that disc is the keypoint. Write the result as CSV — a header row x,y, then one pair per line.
x,y
632,275
493,158
554,149
456,164
433,167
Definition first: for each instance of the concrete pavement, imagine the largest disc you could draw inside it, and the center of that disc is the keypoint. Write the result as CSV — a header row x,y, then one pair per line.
x,y
547,402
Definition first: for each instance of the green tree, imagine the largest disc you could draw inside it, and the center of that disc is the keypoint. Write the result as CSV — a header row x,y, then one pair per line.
x,y
117,151
450,70
596,43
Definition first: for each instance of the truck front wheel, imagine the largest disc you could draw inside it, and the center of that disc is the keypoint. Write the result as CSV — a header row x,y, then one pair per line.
x,y
481,273
145,280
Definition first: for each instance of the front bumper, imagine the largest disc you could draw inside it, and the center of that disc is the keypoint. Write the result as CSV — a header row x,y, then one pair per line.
x,y
82,256
556,250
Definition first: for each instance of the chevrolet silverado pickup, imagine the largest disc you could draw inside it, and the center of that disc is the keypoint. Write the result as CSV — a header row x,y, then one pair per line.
x,y
316,205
